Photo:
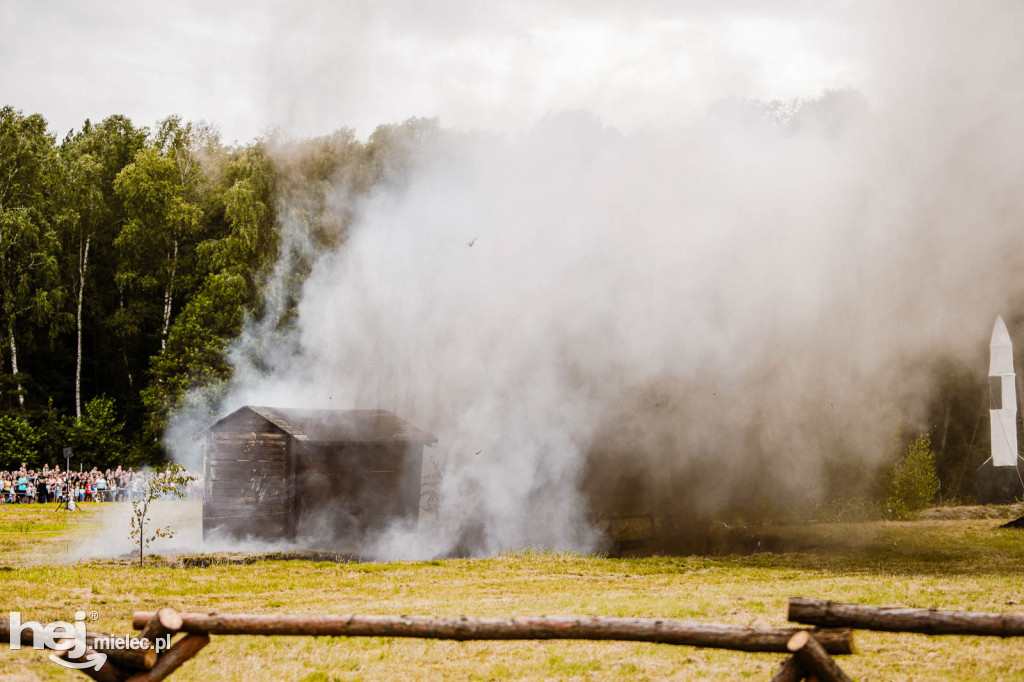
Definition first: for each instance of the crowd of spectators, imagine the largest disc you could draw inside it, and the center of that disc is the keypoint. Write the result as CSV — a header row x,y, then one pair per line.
x,y
27,486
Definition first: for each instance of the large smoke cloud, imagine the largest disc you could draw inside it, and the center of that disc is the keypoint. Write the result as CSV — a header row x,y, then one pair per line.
x,y
720,314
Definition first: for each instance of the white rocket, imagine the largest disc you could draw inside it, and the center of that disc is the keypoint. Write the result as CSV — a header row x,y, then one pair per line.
x,y
1003,394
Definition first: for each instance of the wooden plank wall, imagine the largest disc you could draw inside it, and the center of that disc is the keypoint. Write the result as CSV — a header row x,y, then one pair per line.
x,y
247,480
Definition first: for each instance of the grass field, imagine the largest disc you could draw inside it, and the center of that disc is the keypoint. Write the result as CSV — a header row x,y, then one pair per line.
x,y
940,562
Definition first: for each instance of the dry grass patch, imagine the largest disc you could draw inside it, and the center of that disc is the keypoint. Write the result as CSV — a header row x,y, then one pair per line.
x,y
946,564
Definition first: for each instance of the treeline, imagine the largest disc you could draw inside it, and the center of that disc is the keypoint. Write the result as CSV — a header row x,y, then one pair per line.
x,y
131,256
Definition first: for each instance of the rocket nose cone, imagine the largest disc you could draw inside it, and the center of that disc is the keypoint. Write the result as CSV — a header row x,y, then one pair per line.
x,y
1000,335
1000,361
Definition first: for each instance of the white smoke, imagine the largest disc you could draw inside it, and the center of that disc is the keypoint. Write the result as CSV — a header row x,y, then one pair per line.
x,y
733,304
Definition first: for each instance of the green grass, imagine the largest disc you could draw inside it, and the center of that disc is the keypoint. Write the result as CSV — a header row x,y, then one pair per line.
x,y
41,518
956,564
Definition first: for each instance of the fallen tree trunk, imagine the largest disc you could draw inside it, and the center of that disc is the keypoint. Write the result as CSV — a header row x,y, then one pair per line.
x,y
926,621
661,630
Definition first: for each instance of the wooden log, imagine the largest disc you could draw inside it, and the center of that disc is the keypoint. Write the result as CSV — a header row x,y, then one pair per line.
x,y
135,659
139,658
789,671
108,672
814,659
184,649
663,630
164,623
927,621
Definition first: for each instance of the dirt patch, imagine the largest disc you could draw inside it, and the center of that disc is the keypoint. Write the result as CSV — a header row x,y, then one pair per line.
x,y
204,560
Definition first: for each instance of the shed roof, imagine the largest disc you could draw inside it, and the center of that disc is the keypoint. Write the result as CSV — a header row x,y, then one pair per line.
x,y
336,426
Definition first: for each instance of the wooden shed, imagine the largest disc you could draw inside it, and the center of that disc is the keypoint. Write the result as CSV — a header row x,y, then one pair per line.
x,y
329,477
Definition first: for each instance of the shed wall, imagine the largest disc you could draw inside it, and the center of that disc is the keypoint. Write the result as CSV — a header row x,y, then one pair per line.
x,y
247,484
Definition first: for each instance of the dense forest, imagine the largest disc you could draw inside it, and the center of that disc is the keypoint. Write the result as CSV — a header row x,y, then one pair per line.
x,y
130,257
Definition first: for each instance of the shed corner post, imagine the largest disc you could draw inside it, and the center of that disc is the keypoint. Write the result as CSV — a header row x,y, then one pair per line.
x,y
207,483
415,481
293,511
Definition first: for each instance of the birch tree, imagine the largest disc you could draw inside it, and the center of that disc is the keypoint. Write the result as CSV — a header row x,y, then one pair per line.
x,y
92,213
29,288
161,221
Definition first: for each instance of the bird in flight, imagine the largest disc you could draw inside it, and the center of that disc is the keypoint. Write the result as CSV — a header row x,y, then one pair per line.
x,y
470,243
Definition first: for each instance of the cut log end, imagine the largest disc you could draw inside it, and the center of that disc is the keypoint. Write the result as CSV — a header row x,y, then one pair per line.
x,y
798,641
164,623
169,618
814,659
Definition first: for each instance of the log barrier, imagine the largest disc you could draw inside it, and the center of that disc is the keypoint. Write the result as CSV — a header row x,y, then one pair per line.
x,y
823,613
657,630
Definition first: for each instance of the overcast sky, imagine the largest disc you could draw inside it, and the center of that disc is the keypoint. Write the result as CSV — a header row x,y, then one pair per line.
x,y
313,66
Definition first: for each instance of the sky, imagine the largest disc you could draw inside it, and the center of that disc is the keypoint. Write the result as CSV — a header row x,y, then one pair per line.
x,y
312,66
